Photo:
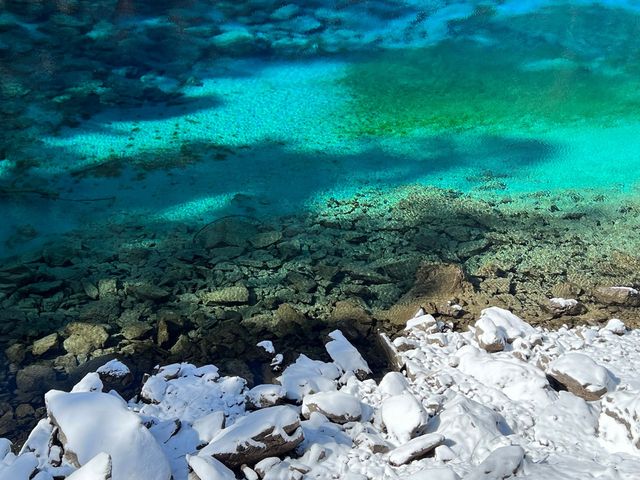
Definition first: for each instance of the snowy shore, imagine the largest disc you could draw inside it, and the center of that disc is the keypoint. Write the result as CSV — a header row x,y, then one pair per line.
x,y
501,400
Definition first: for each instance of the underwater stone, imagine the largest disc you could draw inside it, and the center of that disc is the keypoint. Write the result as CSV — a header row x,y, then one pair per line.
x,y
285,12
84,338
45,344
618,296
234,41
229,295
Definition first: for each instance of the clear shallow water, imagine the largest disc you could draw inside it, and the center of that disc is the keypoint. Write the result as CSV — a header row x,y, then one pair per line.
x,y
288,111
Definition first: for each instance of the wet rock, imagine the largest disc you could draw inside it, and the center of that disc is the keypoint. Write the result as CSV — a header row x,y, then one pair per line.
x,y
35,379
579,374
264,433
625,296
301,282
135,330
233,41
338,407
562,306
434,283
145,291
229,296
15,353
7,419
265,239
84,338
107,288
45,345
285,12
24,410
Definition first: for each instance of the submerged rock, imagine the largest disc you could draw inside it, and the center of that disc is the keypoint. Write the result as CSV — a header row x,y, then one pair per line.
x,y
618,296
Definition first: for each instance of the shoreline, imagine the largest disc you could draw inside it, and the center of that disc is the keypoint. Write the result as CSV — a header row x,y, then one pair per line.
x,y
361,266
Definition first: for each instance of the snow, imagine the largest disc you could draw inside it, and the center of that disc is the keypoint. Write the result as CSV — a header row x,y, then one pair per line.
x,y
584,370
253,425
415,448
337,406
98,468
114,368
616,326
563,302
345,355
267,345
460,411
403,416
208,468
93,423
508,325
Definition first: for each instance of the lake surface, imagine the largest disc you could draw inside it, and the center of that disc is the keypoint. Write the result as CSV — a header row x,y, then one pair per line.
x,y
129,112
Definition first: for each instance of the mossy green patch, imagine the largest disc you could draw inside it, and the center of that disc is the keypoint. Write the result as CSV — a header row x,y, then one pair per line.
x,y
498,80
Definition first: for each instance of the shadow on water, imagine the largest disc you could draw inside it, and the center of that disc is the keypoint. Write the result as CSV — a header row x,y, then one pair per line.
x,y
200,181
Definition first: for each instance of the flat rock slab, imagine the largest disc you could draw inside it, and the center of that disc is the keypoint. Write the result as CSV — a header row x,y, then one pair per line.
x,y
264,433
415,448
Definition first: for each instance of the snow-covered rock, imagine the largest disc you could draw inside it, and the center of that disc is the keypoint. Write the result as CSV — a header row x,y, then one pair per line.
x,y
91,423
338,407
579,374
257,435
262,396
615,325
393,383
415,448
98,468
496,411
565,306
346,356
496,327
501,463
208,468
403,416
308,376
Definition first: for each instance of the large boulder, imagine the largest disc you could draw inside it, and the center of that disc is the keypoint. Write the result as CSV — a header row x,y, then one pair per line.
x,y
403,416
626,296
90,423
579,374
264,433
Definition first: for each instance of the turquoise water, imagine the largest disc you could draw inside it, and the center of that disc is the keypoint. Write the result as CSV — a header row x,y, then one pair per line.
x,y
189,113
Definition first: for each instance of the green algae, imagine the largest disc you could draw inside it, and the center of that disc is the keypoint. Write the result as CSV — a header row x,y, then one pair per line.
x,y
498,80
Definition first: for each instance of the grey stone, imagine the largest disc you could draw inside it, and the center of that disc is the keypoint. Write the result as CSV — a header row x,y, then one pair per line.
x,y
84,338
230,295
617,296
